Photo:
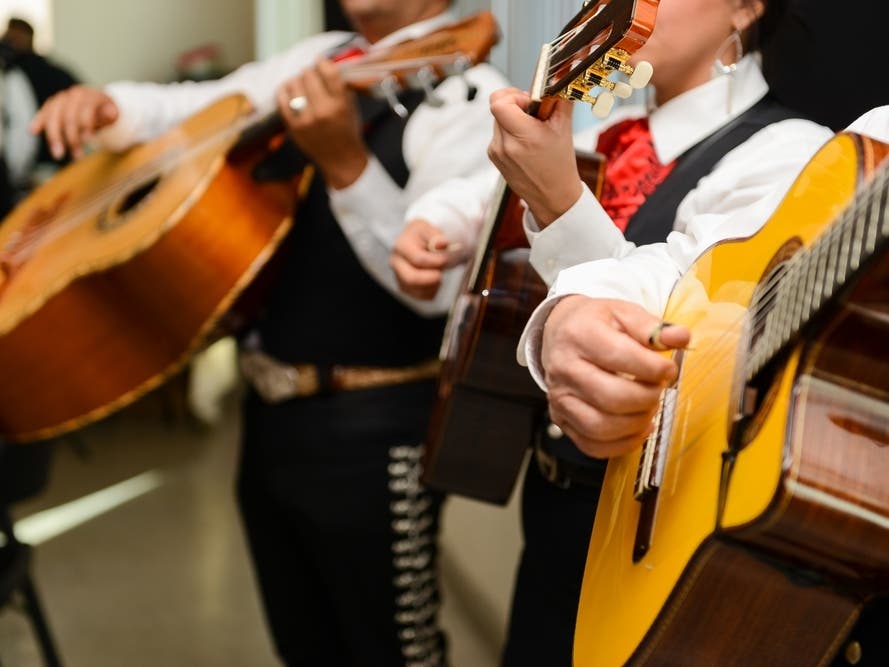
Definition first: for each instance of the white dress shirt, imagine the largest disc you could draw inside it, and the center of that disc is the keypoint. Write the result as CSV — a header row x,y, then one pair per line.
x,y
875,123
439,142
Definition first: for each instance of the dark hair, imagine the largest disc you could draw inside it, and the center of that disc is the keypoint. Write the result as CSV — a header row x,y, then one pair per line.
x,y
760,33
16,23
803,56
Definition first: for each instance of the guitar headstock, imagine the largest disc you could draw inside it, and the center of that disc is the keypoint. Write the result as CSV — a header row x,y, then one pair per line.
x,y
596,43
423,62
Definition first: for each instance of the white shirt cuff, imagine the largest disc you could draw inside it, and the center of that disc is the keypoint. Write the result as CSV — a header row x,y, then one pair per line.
x,y
583,233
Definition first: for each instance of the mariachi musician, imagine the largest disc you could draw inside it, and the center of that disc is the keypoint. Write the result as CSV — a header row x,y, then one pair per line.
x,y
341,366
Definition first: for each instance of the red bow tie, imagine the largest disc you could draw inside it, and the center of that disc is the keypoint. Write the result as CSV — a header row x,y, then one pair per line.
x,y
632,169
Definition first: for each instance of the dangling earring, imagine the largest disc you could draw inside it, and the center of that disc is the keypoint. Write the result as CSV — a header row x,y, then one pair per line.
x,y
729,70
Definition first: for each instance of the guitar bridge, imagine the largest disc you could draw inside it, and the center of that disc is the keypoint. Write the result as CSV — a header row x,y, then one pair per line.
x,y
654,452
652,464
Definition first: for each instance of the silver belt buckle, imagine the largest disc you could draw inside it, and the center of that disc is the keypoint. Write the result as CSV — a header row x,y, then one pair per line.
x,y
273,381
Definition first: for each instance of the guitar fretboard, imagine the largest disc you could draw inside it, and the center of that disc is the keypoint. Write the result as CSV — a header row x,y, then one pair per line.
x,y
813,277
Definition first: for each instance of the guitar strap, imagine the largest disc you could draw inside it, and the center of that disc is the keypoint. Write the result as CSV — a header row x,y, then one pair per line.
x,y
654,219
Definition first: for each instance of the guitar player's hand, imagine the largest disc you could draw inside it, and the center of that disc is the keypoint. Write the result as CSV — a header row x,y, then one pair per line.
x,y
71,117
328,128
536,157
421,254
603,374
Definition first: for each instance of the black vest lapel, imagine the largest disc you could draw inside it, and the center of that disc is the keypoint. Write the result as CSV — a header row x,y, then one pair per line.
x,y
654,219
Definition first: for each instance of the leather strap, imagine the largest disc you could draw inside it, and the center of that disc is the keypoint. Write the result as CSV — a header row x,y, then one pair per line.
x,y
276,381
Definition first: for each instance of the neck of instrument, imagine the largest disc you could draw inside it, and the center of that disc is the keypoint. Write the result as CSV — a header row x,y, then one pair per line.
x,y
816,276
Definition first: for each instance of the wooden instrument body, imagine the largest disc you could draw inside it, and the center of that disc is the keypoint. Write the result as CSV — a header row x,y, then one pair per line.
x,y
116,302
779,576
488,406
117,270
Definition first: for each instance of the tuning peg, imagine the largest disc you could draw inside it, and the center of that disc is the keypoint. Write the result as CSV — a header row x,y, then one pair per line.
x,y
459,68
640,75
603,104
425,78
622,90
594,78
388,89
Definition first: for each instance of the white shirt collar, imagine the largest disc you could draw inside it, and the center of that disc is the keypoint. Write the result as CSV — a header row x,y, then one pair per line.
x,y
413,31
694,115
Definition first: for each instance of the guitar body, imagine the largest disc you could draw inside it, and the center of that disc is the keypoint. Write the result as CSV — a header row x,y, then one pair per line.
x,y
488,406
775,570
115,271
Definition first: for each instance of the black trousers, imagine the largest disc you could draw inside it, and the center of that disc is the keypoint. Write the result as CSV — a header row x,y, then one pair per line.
x,y
341,533
556,525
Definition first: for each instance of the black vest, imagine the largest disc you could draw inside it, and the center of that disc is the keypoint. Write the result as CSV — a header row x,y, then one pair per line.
x,y
654,219
325,308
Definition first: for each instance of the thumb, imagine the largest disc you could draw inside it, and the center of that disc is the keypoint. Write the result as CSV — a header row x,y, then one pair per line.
x,y
648,330
107,113
437,242
668,336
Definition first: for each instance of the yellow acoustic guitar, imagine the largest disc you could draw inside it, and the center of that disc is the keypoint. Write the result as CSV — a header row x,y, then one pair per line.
x,y
754,524
115,272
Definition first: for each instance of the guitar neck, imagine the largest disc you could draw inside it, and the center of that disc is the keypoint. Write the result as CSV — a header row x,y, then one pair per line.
x,y
816,277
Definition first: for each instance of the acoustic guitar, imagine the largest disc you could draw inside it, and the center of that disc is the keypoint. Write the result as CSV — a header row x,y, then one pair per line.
x,y
754,523
488,406
116,271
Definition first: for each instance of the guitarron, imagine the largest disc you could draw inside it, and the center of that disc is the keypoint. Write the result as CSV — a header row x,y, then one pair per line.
x,y
117,270
488,405
754,523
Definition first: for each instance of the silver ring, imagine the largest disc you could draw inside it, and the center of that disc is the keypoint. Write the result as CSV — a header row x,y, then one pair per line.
x,y
298,104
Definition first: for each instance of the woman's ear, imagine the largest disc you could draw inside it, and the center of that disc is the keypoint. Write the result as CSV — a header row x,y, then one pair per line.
x,y
747,13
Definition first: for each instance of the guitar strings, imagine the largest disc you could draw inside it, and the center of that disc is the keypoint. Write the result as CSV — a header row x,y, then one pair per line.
x,y
174,156
864,202
141,175
717,350
766,298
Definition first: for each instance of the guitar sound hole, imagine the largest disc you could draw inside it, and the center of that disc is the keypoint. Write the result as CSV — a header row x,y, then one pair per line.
x,y
116,214
136,196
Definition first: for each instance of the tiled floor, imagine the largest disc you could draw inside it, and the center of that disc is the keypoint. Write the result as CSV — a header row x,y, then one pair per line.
x,y
162,580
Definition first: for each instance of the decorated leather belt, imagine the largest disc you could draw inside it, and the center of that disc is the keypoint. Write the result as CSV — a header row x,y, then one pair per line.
x,y
276,381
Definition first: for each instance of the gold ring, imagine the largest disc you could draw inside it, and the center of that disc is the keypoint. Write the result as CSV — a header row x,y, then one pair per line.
x,y
654,338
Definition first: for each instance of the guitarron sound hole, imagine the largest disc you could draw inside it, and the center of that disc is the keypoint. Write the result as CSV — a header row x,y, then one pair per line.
x,y
115,214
